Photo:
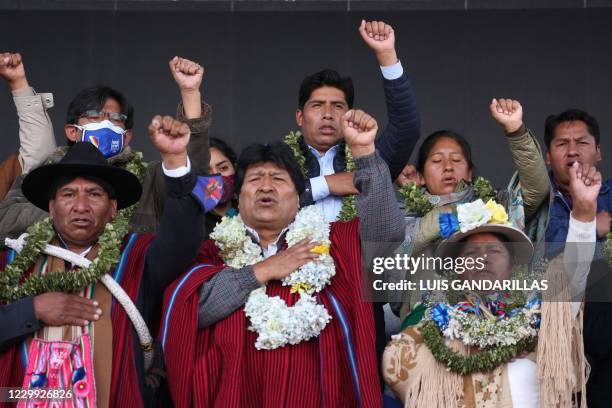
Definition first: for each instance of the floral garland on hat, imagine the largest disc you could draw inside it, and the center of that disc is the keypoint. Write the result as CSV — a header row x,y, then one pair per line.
x,y
349,207
469,216
276,323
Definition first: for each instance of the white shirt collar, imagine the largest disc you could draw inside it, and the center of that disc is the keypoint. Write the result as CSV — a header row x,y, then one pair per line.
x,y
332,151
272,249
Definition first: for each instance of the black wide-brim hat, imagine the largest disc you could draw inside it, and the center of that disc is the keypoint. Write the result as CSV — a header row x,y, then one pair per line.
x,y
82,159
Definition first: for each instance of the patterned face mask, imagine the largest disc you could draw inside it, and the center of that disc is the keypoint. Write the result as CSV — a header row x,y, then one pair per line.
x,y
106,136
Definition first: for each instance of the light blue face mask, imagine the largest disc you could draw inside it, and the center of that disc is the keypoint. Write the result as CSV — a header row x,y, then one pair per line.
x,y
105,135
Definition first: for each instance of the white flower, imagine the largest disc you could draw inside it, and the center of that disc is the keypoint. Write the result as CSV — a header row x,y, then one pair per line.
x,y
277,324
473,215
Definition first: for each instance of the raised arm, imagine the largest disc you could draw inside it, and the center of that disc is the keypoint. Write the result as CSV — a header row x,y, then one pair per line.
x,y
182,225
36,139
398,139
192,110
526,154
381,219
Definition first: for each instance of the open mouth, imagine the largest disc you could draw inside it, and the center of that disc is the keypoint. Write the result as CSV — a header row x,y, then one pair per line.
x,y
266,201
327,130
81,222
449,180
571,163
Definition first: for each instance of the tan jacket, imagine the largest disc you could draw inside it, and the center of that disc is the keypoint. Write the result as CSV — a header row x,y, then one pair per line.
x,y
36,138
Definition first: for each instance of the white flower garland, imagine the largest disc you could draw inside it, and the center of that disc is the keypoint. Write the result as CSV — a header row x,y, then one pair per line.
x,y
275,322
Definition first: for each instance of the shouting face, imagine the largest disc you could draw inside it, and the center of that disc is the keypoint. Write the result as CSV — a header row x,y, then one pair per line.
x,y
571,143
268,198
79,211
320,117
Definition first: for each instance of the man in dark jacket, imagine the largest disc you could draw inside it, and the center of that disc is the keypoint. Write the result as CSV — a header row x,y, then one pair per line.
x,y
323,99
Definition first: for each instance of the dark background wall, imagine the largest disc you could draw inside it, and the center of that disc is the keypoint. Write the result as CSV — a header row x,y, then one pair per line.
x,y
549,59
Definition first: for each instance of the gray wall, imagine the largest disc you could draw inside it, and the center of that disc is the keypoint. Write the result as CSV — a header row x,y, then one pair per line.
x,y
548,59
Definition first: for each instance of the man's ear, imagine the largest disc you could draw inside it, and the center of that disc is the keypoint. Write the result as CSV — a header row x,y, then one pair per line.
x,y
127,137
113,209
547,158
72,133
598,156
298,117
51,209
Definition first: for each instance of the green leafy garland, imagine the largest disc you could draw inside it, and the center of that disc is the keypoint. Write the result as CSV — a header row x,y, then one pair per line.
x,y
349,207
416,201
40,233
485,360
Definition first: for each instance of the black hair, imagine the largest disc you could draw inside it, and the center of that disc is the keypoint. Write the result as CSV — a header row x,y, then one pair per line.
x,y
570,115
94,98
68,178
224,148
278,153
327,77
431,140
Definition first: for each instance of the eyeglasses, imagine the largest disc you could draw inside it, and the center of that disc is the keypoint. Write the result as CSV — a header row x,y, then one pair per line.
x,y
112,116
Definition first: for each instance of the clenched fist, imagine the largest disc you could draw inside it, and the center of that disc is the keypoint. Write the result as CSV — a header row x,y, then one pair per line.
x,y
380,37
508,113
170,137
359,130
585,182
186,73
409,174
11,69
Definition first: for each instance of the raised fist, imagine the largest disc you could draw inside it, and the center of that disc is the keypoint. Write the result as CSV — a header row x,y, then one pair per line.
x,y
187,74
11,69
508,113
409,175
359,130
170,137
380,37
585,182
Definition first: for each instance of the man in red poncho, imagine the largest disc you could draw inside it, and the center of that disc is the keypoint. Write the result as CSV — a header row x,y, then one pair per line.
x,y
309,338
79,295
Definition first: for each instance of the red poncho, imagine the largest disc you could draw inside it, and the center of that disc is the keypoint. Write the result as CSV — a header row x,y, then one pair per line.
x,y
124,381
220,367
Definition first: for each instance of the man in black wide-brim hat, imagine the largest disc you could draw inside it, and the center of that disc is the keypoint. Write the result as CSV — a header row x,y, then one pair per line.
x,y
79,295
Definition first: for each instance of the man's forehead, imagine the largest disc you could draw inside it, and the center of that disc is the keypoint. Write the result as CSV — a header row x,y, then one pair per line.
x,y
265,168
327,93
572,129
81,182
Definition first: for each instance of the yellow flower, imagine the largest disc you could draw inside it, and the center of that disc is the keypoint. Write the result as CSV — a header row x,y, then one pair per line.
x,y
321,249
300,287
498,213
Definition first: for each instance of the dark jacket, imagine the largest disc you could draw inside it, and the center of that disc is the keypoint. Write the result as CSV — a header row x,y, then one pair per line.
x,y
597,331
